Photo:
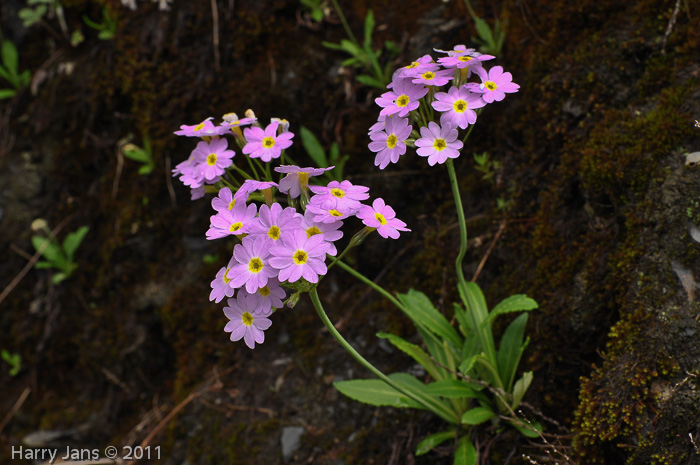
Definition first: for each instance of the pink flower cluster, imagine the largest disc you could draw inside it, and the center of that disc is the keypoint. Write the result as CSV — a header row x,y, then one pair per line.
x,y
211,157
280,246
408,90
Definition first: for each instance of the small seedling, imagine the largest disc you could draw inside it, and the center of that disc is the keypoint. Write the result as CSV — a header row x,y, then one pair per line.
x,y
364,56
486,166
14,360
316,8
9,70
59,256
107,28
142,155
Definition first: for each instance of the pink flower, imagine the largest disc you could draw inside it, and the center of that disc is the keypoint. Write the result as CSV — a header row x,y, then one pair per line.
x,y
273,221
342,196
390,143
494,85
212,158
247,322
252,268
204,129
382,217
458,106
266,144
299,257
272,295
232,222
329,231
438,144
403,98
297,178
434,78
220,286
421,65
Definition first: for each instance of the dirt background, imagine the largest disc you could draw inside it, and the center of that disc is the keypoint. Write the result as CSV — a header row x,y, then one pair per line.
x,y
599,229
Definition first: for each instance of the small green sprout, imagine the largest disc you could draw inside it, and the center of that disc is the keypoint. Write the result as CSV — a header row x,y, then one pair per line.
x,y
364,56
486,166
107,28
142,155
56,255
14,360
9,70
317,9
491,40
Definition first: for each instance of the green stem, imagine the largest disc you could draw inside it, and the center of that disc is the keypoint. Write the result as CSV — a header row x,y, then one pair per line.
x,y
341,16
430,404
461,219
372,284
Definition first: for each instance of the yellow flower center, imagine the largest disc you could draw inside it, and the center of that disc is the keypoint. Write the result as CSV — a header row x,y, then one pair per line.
x,y
300,257
412,65
255,265
391,141
226,278
268,142
247,319
402,100
211,159
465,58
428,75
337,192
264,291
380,218
459,106
490,85
199,127
232,204
235,226
273,233
312,231
335,212
439,145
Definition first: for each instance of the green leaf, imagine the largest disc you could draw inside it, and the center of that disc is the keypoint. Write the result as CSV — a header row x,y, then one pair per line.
x,y
12,79
467,364
414,351
433,403
351,48
331,45
146,169
137,154
370,81
375,392
30,16
317,15
434,440
466,452
483,30
73,240
462,320
531,430
511,349
58,277
7,93
421,310
313,147
520,388
10,58
43,265
451,388
52,252
369,28
477,416
514,303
